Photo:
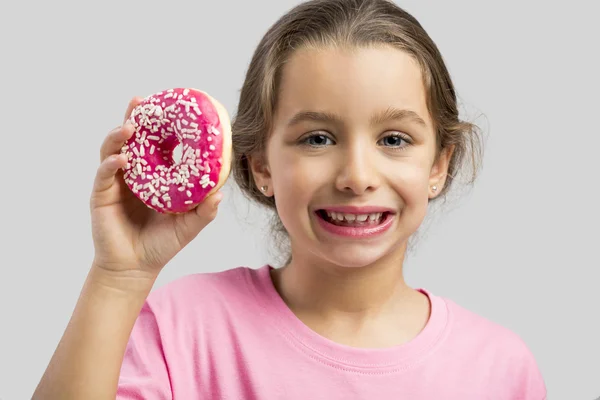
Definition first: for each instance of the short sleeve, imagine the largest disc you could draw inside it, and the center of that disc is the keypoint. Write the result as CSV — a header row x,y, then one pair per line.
x,y
144,373
531,384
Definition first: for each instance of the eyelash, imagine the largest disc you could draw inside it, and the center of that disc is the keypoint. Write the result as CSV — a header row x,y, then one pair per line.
x,y
404,138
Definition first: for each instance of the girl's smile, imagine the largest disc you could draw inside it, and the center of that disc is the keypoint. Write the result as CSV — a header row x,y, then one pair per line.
x,y
355,222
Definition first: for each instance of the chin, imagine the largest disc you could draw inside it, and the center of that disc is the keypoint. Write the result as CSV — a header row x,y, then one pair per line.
x,y
353,253
353,256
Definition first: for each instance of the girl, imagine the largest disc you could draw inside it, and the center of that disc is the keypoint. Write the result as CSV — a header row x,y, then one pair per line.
x,y
348,128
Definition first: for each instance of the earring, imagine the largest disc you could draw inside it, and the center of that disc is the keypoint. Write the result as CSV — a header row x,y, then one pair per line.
x,y
434,188
264,188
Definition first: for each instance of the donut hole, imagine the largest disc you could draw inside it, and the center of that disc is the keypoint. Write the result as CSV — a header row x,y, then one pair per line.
x,y
177,153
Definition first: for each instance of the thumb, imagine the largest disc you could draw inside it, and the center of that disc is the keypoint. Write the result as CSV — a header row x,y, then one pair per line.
x,y
207,210
193,221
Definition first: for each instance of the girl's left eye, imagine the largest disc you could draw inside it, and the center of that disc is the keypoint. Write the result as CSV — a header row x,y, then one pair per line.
x,y
395,140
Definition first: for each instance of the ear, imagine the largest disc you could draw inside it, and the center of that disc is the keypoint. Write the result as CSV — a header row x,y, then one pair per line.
x,y
439,171
261,173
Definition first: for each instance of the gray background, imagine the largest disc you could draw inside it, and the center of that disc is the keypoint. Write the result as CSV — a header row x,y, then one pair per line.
x,y
520,249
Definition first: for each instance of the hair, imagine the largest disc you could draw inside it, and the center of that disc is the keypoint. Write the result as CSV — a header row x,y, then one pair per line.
x,y
347,24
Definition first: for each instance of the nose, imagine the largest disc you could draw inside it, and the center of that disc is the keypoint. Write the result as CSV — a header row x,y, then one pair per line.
x,y
357,172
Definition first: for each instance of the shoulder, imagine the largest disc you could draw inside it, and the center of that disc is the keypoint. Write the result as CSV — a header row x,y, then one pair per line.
x,y
202,292
221,280
491,344
483,332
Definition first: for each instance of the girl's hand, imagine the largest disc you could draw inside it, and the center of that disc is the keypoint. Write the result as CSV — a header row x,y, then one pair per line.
x,y
128,236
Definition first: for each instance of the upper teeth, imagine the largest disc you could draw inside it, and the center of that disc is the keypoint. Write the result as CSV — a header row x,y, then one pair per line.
x,y
353,217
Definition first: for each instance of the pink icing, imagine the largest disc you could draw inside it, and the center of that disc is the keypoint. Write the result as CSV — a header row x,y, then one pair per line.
x,y
163,121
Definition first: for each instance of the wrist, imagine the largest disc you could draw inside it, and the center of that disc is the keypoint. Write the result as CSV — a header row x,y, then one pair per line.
x,y
127,282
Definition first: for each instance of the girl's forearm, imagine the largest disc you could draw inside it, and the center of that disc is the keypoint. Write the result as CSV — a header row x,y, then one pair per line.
x,y
87,361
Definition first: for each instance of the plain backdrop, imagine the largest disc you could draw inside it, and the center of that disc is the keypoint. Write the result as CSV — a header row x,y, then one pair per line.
x,y
520,248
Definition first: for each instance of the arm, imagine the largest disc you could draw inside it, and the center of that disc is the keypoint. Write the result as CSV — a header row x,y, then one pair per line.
x,y
132,245
88,359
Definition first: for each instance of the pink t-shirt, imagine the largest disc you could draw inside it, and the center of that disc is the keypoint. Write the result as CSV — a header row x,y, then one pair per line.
x,y
229,335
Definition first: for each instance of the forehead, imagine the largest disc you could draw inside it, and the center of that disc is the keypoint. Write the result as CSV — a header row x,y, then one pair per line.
x,y
352,83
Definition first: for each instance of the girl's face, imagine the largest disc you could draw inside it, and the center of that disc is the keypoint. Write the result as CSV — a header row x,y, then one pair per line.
x,y
351,158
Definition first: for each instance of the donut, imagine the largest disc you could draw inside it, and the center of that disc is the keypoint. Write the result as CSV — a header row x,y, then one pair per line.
x,y
180,152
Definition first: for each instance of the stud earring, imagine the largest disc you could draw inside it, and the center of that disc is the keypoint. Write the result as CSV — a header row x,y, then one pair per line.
x,y
264,188
434,188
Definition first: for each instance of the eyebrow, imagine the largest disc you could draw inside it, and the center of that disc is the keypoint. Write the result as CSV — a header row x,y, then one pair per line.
x,y
390,114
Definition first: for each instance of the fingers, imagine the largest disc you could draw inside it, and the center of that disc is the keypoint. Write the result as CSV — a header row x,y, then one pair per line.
x,y
105,176
132,104
117,137
115,140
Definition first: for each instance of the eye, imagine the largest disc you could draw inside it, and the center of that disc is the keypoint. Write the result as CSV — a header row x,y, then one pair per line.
x,y
317,140
396,141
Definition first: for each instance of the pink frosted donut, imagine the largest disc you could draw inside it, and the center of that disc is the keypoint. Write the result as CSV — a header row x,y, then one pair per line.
x,y
181,149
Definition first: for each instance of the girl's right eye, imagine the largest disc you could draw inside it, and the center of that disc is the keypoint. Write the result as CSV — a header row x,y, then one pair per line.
x,y
317,140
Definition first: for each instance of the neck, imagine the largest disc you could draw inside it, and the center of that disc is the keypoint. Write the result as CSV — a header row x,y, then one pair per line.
x,y
369,306
316,288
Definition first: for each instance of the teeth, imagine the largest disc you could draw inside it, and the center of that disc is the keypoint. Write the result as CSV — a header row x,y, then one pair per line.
x,y
337,216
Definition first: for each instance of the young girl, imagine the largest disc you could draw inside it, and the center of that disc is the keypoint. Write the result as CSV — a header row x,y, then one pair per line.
x,y
348,128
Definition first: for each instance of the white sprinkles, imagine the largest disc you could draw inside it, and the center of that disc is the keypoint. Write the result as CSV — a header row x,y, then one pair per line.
x,y
154,124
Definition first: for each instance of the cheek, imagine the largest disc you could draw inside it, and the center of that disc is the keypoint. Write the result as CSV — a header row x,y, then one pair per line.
x,y
299,176
294,183
411,182
288,175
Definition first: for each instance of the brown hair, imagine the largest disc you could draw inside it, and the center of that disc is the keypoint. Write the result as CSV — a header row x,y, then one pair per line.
x,y
347,24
